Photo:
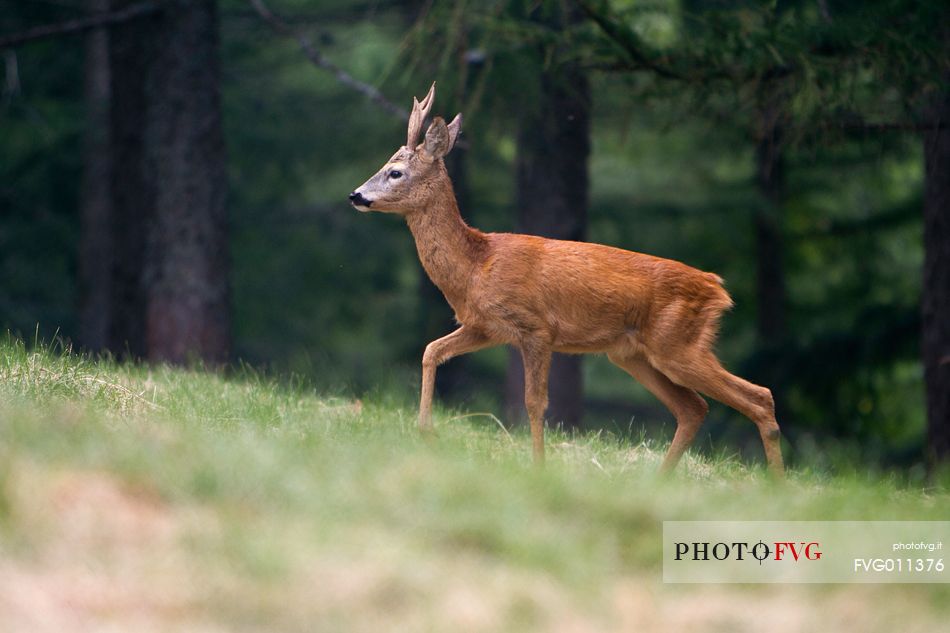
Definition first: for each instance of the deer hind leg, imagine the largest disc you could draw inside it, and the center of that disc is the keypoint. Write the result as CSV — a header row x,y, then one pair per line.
x,y
702,372
461,341
537,364
686,405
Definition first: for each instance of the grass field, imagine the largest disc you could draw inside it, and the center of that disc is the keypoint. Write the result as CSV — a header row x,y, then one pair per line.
x,y
155,499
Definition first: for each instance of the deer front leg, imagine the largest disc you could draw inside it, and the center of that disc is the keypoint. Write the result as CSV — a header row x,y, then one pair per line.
x,y
461,341
537,364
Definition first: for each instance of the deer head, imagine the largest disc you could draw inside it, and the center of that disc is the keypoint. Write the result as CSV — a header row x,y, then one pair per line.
x,y
408,180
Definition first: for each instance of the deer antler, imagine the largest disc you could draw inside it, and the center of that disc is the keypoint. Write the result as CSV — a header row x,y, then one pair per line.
x,y
420,110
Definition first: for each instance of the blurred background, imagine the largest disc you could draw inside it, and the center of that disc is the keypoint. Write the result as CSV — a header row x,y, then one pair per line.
x,y
173,182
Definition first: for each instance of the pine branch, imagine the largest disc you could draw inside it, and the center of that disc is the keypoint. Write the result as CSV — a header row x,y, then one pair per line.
x,y
892,218
889,126
628,41
86,23
638,56
318,59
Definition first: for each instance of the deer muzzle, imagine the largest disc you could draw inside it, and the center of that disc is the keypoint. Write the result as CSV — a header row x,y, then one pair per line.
x,y
359,202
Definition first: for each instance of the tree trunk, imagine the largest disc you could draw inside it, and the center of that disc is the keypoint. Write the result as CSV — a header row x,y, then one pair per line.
x,y
769,243
170,296
186,269
935,303
771,297
95,240
552,185
132,49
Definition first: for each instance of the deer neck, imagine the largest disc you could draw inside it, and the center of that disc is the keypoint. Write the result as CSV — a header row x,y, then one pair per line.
x,y
448,248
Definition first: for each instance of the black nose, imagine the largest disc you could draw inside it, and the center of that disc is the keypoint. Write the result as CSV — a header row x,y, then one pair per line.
x,y
359,200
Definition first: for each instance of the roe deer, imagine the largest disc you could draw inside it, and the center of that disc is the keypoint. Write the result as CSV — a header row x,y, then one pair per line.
x,y
655,318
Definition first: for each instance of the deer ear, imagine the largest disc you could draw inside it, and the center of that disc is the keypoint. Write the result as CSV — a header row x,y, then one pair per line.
x,y
455,128
438,141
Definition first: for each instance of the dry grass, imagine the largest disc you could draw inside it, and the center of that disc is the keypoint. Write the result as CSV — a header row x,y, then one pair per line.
x,y
162,500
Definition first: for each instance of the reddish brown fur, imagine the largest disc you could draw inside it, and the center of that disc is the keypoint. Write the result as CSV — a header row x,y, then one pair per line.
x,y
655,318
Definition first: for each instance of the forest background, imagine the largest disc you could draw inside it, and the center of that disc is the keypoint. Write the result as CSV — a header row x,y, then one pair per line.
x,y
173,182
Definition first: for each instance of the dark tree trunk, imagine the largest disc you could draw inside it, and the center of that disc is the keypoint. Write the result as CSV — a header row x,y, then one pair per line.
x,y
170,295
132,49
95,240
552,185
935,303
186,270
769,243
771,298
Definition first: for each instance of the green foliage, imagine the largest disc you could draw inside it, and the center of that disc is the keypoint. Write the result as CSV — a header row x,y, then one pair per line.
x,y
40,127
323,291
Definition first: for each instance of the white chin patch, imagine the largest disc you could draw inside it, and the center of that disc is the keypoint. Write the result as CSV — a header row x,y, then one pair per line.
x,y
361,208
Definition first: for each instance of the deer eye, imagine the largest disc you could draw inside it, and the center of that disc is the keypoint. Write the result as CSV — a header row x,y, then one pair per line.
x,y
394,174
